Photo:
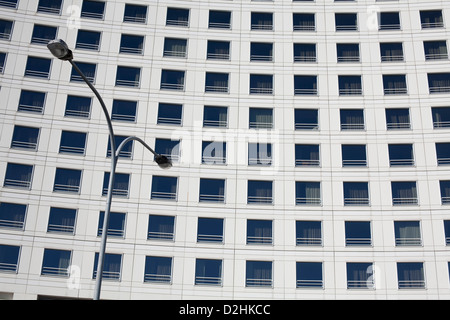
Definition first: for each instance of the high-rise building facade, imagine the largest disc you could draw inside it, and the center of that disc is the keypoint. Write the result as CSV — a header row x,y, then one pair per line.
x,y
310,143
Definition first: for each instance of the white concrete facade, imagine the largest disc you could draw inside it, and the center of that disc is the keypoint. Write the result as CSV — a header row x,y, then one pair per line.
x,y
433,252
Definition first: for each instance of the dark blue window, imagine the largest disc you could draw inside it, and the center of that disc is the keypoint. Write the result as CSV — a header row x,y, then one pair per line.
x,y
407,233
304,21
12,215
208,272
56,262
350,85
25,138
346,21
443,153
445,192
259,192
161,227
347,52
92,9
305,52
262,21
210,230
394,84
447,231
401,155
435,50
397,118
260,154
9,258
357,233
307,155
123,110
354,155
172,80
352,119
88,69
410,275
112,266
18,175
174,47
219,19
306,119
169,148
9,4
88,40
439,82
309,275
260,118
360,275
431,19
128,76
259,232
169,113
307,193
219,50
177,17
50,6
38,67
61,220
164,188
127,149
215,116
258,274
308,233
404,193
2,61
214,152
67,180
261,84
389,21
72,142
135,13
356,193
79,107
132,44
305,85
43,34
116,226
158,269
5,29
216,82
261,51
212,190
120,186
391,51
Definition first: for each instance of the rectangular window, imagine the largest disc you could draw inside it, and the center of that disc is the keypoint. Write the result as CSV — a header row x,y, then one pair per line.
x,y
214,116
12,215
128,76
177,17
42,34
9,258
62,220
2,62
410,275
88,40
131,44
309,275
260,118
216,82
6,27
307,155
112,266
431,19
93,9
127,149
346,21
214,152
11,4
170,113
404,193
445,191
435,50
67,180
210,230
258,274
212,190
120,187
219,19
350,85
391,51
259,232
72,142
360,275
135,13
260,154
18,176
164,188
352,119
407,233
218,50
439,82
158,269
116,226
208,272
161,227
394,84
356,194
169,148
88,69
259,192
124,110
304,21
174,47
261,84
441,117
172,80
306,119
305,52
443,153
38,67
347,52
77,106
397,118
56,262
308,233
307,193
49,6
305,85
401,155
25,138
358,233
447,232
261,51
354,155
261,21
389,21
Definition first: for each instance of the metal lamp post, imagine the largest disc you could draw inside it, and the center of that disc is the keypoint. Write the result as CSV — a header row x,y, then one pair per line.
x,y
61,51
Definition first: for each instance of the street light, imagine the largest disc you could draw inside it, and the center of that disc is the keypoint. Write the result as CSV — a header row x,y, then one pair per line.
x,y
61,51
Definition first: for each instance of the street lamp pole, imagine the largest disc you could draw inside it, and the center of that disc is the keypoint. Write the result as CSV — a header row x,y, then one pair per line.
x,y
61,51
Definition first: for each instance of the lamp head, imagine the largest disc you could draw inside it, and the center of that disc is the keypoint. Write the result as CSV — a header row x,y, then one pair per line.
x,y
60,49
163,161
